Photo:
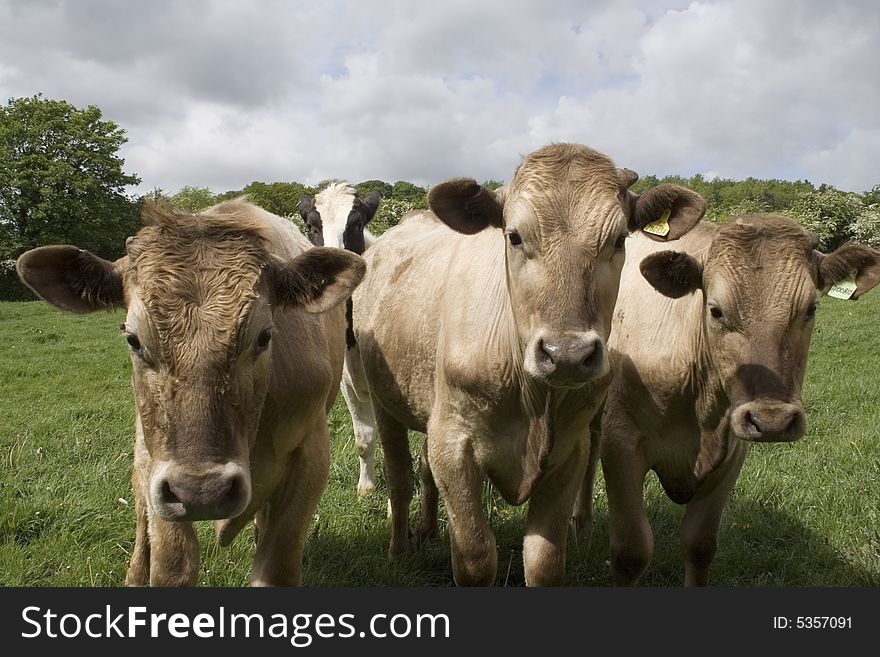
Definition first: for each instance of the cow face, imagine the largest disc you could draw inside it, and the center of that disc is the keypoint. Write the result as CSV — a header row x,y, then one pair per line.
x,y
202,295
759,282
337,217
563,220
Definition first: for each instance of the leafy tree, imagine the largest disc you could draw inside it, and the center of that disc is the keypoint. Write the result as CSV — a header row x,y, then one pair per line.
x,y
406,191
836,216
61,179
278,198
872,197
389,213
364,188
193,199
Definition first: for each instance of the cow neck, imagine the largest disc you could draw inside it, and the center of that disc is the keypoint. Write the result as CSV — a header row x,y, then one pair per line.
x,y
539,444
712,407
538,402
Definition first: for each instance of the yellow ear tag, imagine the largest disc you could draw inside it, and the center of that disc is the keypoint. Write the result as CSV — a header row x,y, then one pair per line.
x,y
661,226
843,289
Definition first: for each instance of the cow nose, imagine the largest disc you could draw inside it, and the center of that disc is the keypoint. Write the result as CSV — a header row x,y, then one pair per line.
x,y
765,421
569,358
219,492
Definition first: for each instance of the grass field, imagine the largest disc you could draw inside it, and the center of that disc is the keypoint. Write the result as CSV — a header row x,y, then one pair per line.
x,y
806,514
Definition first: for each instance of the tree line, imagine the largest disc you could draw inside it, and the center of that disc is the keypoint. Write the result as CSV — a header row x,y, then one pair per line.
x,y
62,181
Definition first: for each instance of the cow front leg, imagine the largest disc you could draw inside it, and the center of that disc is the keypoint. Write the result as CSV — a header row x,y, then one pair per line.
x,y
398,479
284,521
356,392
582,517
139,566
174,552
460,482
632,541
702,519
550,509
429,498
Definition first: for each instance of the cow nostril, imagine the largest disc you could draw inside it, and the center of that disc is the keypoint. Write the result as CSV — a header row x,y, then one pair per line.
x,y
229,490
546,352
589,355
236,488
167,494
752,421
795,423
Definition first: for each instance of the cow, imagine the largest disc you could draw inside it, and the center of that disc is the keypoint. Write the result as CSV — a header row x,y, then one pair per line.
x,y
709,347
482,323
235,326
337,217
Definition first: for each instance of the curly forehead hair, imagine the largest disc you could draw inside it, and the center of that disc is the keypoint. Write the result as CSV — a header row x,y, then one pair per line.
x,y
573,163
196,276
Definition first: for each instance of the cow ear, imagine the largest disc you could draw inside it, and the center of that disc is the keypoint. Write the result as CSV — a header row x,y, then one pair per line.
x,y
305,205
465,206
679,207
318,279
371,204
849,262
73,279
672,273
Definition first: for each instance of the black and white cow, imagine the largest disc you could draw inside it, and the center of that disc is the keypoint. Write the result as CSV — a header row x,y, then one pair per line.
x,y
337,217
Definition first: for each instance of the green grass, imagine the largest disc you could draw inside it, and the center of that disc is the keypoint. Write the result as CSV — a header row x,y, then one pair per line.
x,y
806,514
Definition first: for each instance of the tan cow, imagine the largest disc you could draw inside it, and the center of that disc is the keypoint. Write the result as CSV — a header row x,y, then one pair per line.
x,y
236,330
483,323
709,347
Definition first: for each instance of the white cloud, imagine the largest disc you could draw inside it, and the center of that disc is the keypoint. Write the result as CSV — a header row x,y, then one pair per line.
x,y
219,94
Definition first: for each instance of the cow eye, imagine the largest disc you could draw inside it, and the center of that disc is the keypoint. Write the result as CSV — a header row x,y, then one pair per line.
x,y
621,242
715,311
264,338
811,310
133,342
514,237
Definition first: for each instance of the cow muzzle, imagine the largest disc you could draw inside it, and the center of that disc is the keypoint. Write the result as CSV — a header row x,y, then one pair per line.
x,y
214,492
769,421
567,359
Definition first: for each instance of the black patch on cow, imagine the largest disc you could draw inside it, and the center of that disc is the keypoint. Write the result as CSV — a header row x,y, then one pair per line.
x,y
350,340
353,235
360,215
312,219
315,226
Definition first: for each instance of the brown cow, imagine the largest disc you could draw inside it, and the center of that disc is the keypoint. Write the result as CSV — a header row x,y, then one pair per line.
x,y
483,323
709,347
236,333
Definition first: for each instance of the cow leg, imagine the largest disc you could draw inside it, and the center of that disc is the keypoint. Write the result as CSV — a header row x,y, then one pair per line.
x,y
429,499
460,481
582,518
174,553
550,509
165,553
356,392
632,541
284,521
398,478
702,519
139,566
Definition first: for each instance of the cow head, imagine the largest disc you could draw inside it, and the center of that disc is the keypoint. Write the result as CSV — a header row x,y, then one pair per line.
x,y
759,281
564,218
337,217
201,293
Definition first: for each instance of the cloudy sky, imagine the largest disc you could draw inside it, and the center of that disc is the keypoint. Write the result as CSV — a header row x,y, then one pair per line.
x,y
220,93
